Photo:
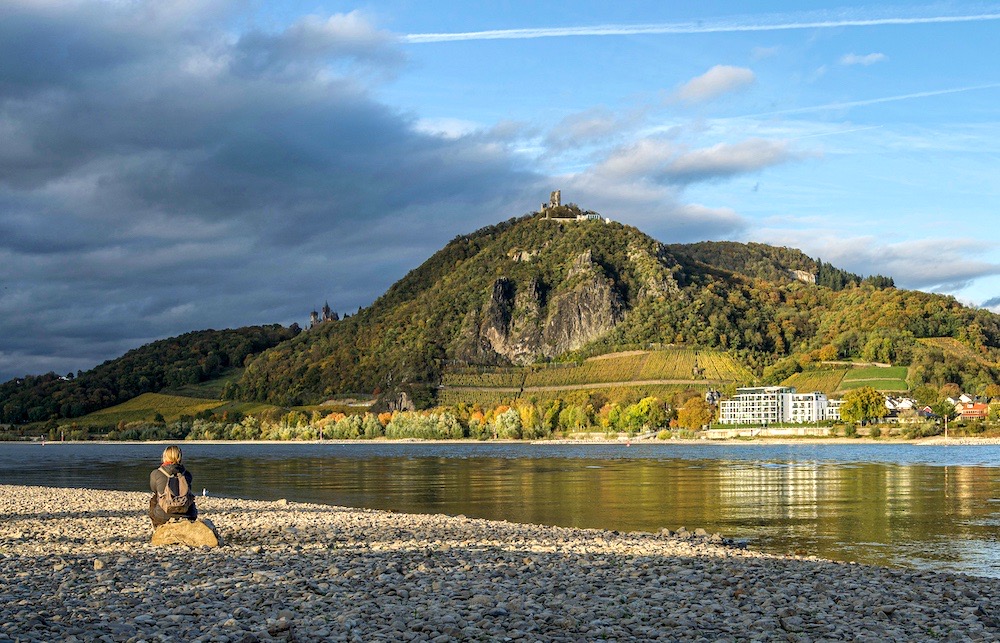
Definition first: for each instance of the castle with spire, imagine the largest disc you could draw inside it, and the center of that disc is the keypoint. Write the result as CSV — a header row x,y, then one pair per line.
x,y
324,315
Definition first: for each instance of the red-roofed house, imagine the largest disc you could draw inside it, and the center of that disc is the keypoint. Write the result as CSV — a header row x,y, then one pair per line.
x,y
972,410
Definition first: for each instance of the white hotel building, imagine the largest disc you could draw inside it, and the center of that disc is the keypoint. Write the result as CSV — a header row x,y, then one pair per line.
x,y
764,405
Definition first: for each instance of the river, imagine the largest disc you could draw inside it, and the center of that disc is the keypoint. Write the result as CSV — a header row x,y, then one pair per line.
x,y
935,507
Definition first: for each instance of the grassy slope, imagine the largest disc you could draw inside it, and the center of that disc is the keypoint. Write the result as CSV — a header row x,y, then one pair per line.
x,y
210,389
892,379
836,379
146,406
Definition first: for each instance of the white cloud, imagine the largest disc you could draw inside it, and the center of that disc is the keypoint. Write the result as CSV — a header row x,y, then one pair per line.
x,y
696,214
760,53
644,158
446,127
656,209
867,59
584,127
726,159
718,80
314,44
664,161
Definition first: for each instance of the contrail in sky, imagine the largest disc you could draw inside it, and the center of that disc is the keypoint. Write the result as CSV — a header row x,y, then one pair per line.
x,y
872,101
837,132
687,28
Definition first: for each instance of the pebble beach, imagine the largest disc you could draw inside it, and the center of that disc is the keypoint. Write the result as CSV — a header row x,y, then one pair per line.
x,y
76,565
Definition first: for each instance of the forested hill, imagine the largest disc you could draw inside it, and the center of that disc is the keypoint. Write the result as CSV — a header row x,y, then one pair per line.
x,y
761,261
186,359
533,289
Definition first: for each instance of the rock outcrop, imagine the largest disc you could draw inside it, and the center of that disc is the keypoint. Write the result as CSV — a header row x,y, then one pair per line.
x,y
522,321
510,325
584,312
193,533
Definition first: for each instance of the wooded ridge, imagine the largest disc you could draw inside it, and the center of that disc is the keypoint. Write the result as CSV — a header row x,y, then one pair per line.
x,y
534,290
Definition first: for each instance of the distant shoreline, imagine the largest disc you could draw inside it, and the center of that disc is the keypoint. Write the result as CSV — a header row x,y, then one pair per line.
x,y
839,441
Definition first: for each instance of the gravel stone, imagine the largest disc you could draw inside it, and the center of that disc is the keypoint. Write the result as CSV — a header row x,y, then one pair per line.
x,y
77,565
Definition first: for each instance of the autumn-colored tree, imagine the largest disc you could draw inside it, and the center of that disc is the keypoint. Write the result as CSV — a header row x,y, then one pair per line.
x,y
530,419
331,418
507,424
925,395
371,427
951,390
695,414
573,418
863,405
604,415
647,413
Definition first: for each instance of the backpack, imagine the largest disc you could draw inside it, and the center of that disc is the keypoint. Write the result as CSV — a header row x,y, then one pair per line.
x,y
176,498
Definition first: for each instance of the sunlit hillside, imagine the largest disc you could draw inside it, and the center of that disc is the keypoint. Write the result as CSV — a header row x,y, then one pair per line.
x,y
614,377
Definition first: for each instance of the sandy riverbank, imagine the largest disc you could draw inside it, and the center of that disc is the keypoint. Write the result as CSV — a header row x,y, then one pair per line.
x,y
76,566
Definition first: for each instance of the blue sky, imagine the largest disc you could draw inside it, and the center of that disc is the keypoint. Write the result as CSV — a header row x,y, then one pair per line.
x,y
172,166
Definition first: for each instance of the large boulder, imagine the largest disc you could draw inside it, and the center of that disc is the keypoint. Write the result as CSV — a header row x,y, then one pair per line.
x,y
196,533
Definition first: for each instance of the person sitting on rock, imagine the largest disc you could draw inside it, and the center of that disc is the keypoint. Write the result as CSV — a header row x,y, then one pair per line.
x,y
171,487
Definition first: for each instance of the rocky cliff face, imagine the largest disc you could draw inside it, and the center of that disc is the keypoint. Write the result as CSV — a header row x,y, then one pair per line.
x,y
655,269
518,325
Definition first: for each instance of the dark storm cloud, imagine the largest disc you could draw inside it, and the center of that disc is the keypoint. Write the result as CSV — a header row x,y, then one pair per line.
x,y
160,175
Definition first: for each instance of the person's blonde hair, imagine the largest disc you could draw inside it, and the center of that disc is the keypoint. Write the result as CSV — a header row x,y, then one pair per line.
x,y
172,455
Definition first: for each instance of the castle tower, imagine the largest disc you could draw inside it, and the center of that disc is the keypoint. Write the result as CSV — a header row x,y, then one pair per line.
x,y
555,200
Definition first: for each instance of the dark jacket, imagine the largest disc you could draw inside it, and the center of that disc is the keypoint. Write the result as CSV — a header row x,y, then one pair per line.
x,y
158,483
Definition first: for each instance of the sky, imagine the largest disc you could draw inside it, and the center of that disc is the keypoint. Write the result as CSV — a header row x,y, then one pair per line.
x,y
172,165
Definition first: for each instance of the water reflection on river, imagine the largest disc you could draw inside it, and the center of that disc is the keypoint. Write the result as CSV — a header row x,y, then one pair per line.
x,y
936,507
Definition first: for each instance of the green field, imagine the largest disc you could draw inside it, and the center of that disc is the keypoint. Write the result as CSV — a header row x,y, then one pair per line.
x,y
892,378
